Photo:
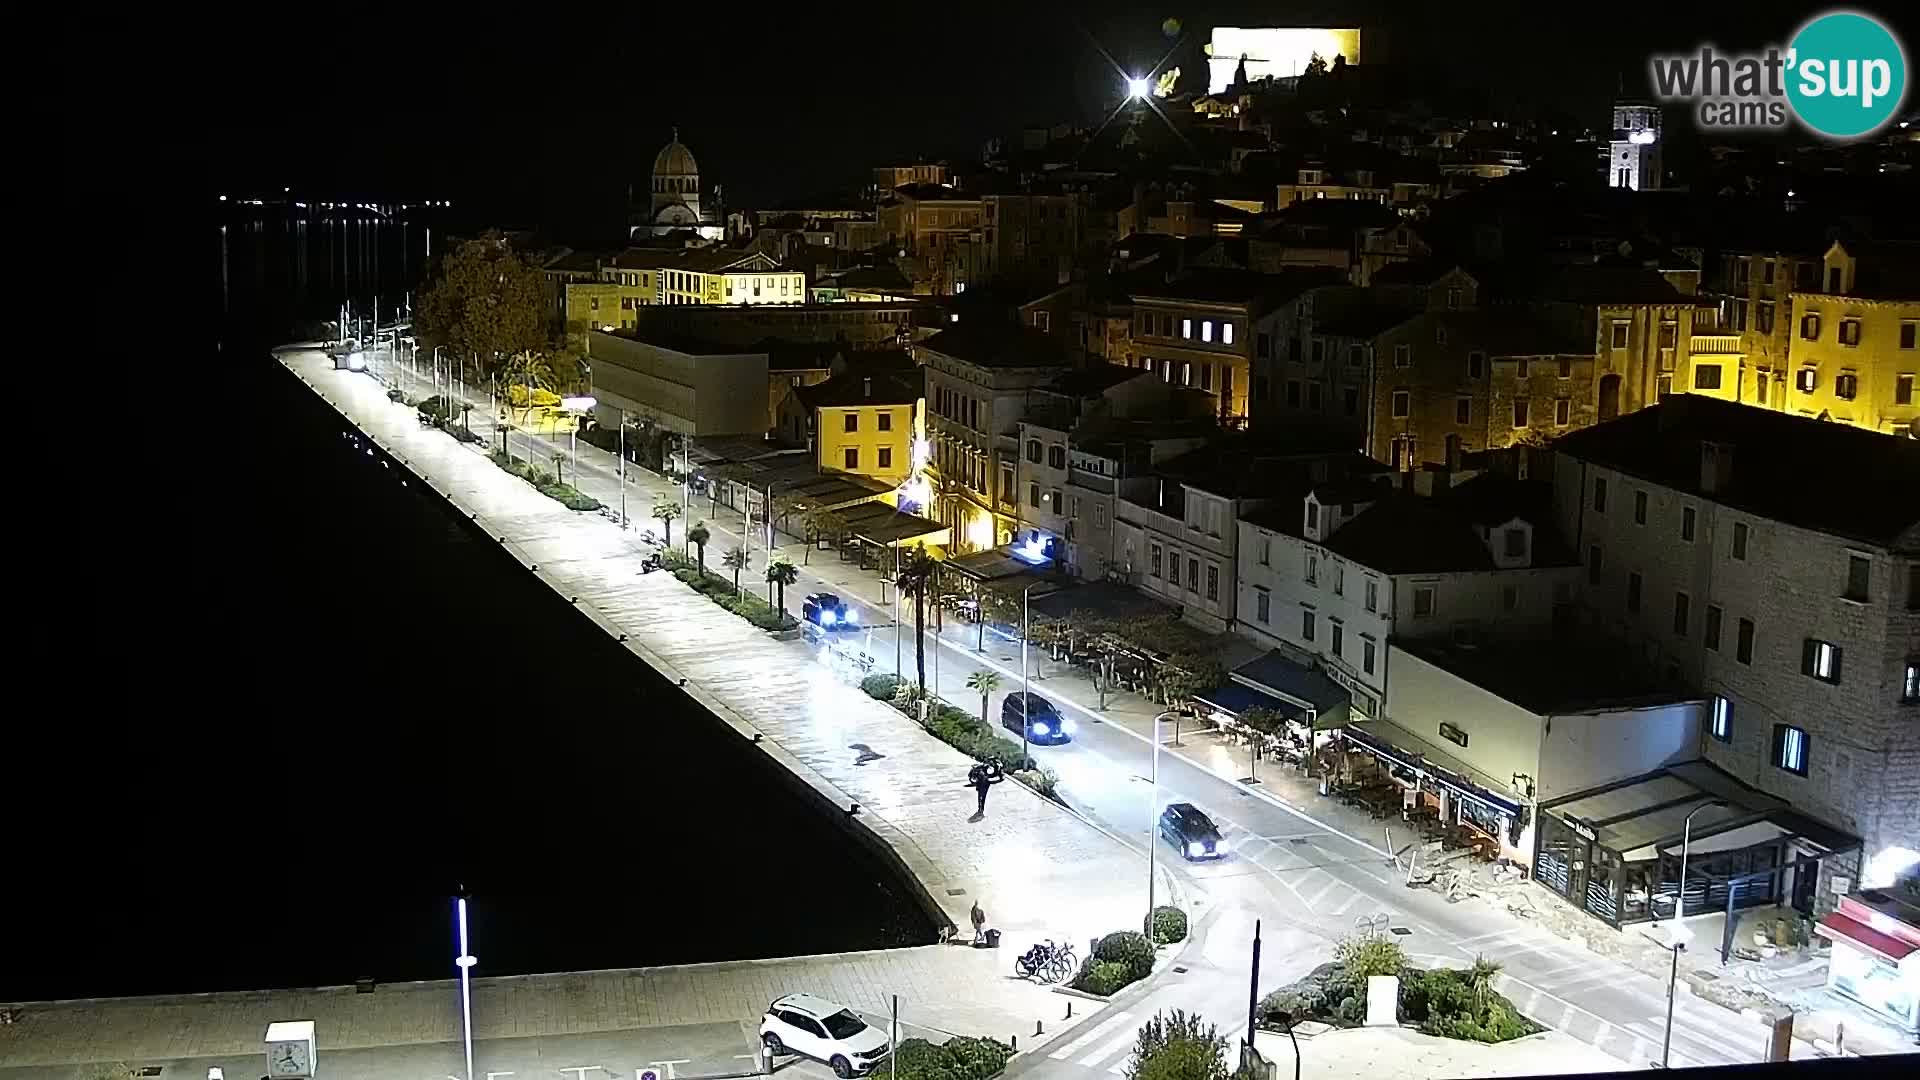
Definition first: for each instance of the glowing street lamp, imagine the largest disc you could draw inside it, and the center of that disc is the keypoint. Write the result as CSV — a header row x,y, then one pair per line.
x,y
1138,88
1153,817
465,962
575,405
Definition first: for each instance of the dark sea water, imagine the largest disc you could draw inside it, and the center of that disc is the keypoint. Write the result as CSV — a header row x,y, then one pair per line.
x,y
342,704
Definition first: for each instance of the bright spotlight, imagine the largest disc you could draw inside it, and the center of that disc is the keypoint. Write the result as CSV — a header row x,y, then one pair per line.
x,y
1138,88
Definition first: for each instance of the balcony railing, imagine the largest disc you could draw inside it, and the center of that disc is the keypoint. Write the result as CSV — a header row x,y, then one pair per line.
x,y
1715,344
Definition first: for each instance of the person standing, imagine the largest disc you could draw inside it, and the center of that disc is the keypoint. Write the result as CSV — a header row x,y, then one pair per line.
x,y
981,778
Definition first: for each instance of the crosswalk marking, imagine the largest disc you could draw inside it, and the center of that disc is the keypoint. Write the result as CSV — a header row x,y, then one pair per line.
x,y
1110,1049
1103,1028
1347,903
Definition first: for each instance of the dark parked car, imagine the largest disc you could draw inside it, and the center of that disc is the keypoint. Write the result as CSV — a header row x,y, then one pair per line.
x,y
1044,723
1185,827
829,612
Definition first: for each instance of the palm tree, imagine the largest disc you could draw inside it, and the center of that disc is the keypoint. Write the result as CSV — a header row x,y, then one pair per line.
x,y
666,510
698,537
780,574
736,559
983,682
916,578
1480,979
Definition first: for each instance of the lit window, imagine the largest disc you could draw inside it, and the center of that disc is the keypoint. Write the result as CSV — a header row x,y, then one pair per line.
x,y
1186,328
1910,684
1821,659
1790,749
1722,728
1226,333
1206,329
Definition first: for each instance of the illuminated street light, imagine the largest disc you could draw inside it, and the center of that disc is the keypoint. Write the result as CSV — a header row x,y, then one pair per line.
x,y
1138,88
1153,817
576,406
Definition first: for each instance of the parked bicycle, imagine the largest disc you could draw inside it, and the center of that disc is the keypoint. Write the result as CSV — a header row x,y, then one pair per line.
x,y
1046,962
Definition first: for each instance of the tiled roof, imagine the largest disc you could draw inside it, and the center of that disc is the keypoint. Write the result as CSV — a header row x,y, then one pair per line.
x,y
1260,291
694,260
992,343
1818,475
858,388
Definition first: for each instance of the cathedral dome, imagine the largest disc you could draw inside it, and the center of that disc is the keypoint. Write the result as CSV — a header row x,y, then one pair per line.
x,y
675,159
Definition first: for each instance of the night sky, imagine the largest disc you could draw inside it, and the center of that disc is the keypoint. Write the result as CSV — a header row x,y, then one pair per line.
x,y
550,121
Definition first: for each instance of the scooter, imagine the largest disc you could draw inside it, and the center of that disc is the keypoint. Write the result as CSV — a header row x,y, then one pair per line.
x,y
651,563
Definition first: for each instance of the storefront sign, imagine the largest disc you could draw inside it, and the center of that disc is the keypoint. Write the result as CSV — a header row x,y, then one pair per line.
x,y
1580,829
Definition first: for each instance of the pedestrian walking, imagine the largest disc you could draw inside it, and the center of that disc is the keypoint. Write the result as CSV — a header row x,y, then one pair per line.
x,y
981,778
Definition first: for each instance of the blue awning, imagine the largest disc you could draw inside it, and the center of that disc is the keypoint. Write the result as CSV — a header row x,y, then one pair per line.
x,y
1235,699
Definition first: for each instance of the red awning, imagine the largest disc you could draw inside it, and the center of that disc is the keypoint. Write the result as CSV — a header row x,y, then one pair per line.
x,y
1837,926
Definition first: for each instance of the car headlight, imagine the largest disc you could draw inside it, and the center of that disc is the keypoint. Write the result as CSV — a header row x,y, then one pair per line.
x,y
1040,727
1196,849
1068,726
1220,847
826,618
852,616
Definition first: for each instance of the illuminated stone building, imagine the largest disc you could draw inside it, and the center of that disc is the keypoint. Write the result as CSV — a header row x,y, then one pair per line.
x,y
1855,351
675,199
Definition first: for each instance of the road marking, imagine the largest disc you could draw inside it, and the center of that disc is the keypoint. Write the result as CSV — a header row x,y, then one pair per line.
x,y
1109,1049
1083,1041
1347,903
1332,883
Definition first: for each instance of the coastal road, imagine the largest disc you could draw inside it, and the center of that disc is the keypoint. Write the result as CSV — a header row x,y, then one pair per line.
x,y
1293,867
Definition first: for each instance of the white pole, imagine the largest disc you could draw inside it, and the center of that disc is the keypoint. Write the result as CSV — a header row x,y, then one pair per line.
x,y
1153,818
623,467
1026,684
465,961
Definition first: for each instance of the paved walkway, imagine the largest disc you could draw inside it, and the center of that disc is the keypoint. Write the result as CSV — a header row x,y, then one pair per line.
x,y
1404,1054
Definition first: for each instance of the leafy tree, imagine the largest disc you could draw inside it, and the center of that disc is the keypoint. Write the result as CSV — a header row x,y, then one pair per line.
x,y
486,301
781,573
818,522
534,372
666,510
1185,675
1480,978
917,577
1263,720
983,682
736,559
1177,1045
1363,955
698,537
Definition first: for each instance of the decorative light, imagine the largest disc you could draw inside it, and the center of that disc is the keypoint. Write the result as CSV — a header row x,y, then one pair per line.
x,y
1138,88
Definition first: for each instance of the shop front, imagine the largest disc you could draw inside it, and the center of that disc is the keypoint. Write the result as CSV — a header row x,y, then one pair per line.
x,y
1876,955
1615,851
1443,793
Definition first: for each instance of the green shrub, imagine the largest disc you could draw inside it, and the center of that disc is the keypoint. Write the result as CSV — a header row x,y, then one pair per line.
x,y
959,1058
1129,948
1040,778
881,687
1177,1045
1364,955
1168,924
1351,1010
569,497
1103,977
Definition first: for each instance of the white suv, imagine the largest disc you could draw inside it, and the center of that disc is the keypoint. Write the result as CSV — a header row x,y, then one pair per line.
x,y
816,1027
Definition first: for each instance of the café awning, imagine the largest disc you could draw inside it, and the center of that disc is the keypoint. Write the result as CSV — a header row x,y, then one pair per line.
x,y
1839,927
1235,700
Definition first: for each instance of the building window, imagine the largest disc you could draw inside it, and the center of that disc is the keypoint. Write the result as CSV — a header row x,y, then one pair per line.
x,y
1706,376
1057,456
1312,576
1810,326
1339,638
1619,335
1350,399
1722,722
1263,345
1262,605
1903,389
1423,598
1820,659
1213,582
1293,393
1006,482
1712,635
1520,368
1339,579
1743,642
1402,356
1806,380
1593,565
885,420
1154,556
1790,749
886,457
1516,543
1682,605
1462,410
1846,386
1306,624
1173,568
1033,494
1263,552
1686,523
1186,329
1908,332
1226,333
1740,540
1859,578
1599,494
1193,575
1850,332
1476,364
853,421
1639,508
1566,368
1910,683
1562,412
1519,412
852,455
1033,451
1509,598
1206,329
1402,404
1356,355
1366,657
1633,590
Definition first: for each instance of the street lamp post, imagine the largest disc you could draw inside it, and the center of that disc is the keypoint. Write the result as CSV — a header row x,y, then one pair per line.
x,y
574,406
1026,683
436,374
1153,817
1677,944
465,962
1686,840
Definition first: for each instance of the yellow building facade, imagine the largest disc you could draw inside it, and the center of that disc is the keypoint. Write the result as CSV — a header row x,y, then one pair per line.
x,y
1854,356
869,424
